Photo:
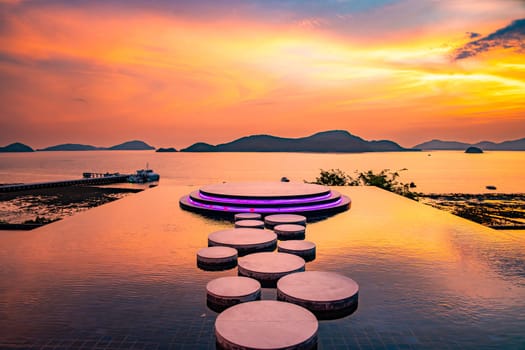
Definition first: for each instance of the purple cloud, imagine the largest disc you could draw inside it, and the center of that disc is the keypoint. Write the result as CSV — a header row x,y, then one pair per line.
x,y
509,37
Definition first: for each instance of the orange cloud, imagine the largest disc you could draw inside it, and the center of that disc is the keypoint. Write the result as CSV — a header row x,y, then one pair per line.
x,y
70,75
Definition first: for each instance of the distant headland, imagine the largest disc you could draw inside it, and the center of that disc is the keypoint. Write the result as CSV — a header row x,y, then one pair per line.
x,y
435,145
16,147
134,145
166,150
332,141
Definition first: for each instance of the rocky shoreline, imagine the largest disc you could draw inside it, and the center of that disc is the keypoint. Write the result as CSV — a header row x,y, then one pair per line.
x,y
25,210
495,210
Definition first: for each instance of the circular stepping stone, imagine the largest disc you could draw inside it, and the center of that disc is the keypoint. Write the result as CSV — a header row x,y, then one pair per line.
x,y
249,224
247,216
328,295
267,268
289,231
223,292
245,240
217,258
278,219
304,249
266,324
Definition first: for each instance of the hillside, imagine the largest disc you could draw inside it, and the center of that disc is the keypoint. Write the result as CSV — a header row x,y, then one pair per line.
x,y
166,150
511,145
442,145
70,147
338,141
134,145
16,147
126,146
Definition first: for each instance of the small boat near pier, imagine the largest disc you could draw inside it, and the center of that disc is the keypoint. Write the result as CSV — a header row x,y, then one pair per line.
x,y
143,176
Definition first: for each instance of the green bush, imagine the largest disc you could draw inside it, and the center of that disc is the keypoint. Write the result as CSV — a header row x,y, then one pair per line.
x,y
385,179
333,177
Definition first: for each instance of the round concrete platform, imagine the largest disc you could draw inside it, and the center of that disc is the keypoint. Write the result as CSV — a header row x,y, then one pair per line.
x,y
224,292
245,240
249,224
227,199
266,324
267,268
289,231
304,249
264,190
327,294
247,216
279,219
217,258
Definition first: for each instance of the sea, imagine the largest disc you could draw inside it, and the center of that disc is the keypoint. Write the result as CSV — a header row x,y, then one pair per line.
x,y
431,172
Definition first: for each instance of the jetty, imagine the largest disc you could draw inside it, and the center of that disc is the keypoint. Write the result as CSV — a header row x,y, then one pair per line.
x,y
88,179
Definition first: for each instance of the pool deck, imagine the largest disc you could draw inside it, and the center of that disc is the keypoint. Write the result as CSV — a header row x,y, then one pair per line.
x,y
124,276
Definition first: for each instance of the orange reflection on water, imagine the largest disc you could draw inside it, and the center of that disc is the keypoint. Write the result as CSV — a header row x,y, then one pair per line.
x,y
389,232
130,266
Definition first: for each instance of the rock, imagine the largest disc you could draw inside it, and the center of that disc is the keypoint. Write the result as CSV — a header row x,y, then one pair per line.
x,y
473,149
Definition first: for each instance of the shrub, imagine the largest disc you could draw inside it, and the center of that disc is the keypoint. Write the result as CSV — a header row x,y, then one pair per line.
x,y
385,179
333,177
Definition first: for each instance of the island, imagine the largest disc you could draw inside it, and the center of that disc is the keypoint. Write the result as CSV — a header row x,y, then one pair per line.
x,y
473,149
511,145
16,147
70,147
134,145
332,141
166,150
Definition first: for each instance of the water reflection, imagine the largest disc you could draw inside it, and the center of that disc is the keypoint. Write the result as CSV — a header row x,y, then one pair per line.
x,y
125,273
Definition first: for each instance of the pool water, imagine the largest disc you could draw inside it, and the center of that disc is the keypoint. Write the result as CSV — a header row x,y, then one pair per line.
x,y
124,276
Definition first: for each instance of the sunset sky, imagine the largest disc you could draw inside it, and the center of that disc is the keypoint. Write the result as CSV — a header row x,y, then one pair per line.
x,y
172,73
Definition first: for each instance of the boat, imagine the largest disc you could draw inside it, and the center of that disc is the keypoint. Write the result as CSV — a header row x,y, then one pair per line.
x,y
144,175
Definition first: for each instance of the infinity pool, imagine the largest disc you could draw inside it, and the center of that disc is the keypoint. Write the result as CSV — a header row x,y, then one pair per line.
x,y
124,276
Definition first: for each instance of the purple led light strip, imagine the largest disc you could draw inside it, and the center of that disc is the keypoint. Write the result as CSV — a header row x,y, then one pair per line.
x,y
266,210
265,201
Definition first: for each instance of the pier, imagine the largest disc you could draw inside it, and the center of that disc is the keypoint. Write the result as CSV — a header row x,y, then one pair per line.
x,y
92,179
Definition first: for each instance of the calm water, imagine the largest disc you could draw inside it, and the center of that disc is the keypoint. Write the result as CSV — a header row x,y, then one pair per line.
x,y
124,276
443,172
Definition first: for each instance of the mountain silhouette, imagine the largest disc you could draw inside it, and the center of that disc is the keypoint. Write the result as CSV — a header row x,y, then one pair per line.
x,y
512,145
16,147
70,147
134,145
337,141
